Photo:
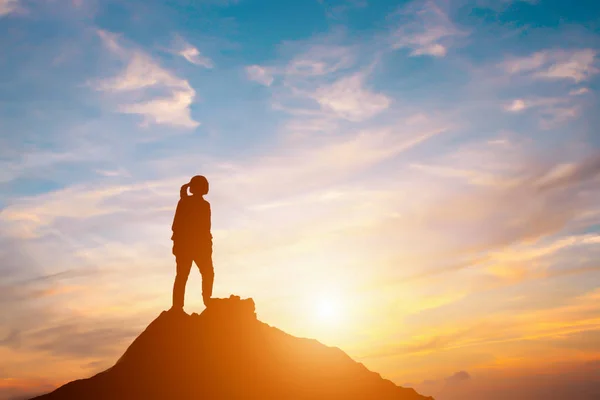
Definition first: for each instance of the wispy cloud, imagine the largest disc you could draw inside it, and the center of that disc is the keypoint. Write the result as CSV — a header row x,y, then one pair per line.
x,y
320,59
143,73
191,53
575,65
552,111
262,75
550,106
322,84
550,198
172,110
425,28
349,99
460,376
331,159
579,92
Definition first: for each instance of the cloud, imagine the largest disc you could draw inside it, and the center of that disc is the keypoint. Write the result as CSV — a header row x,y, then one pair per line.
x,y
36,285
347,98
36,215
516,105
565,175
552,111
424,344
111,41
575,65
142,74
522,197
320,59
86,215
335,157
173,110
512,323
317,60
330,159
37,161
74,338
426,29
192,54
579,92
549,103
457,377
532,252
113,173
8,7
260,74
321,86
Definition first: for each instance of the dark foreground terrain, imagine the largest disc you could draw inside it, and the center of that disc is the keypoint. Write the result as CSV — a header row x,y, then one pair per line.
x,y
226,353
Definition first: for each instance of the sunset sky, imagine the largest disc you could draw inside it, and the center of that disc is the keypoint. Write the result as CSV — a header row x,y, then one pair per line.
x,y
417,183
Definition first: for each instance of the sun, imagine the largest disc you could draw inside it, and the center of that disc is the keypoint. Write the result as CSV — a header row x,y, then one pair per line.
x,y
328,309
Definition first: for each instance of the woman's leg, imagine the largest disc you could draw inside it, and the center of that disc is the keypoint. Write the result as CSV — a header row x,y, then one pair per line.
x,y
205,264
184,264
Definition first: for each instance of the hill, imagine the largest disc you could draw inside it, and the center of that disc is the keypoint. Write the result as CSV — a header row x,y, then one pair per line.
x,y
226,353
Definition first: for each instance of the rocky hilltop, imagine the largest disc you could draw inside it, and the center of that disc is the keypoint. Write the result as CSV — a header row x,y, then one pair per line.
x,y
227,353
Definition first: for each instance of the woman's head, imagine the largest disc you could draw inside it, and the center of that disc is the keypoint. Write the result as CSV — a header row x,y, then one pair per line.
x,y
199,185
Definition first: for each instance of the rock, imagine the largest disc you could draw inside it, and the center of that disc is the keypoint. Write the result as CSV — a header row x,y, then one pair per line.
x,y
230,308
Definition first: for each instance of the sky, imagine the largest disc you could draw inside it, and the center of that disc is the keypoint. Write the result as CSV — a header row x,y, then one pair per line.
x,y
415,182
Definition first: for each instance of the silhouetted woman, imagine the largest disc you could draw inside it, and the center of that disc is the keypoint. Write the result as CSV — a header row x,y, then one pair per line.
x,y
192,240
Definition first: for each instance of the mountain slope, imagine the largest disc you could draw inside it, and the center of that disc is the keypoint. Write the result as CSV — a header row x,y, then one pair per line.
x,y
226,353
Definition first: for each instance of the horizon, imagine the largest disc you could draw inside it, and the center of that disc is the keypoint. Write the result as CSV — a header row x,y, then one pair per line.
x,y
414,182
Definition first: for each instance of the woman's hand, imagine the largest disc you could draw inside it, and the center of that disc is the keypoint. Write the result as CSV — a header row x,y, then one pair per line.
x,y
183,192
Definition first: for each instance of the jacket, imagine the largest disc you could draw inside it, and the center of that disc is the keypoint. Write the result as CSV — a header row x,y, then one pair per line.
x,y
191,224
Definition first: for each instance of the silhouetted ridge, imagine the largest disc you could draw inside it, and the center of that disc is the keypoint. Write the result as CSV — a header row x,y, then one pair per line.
x,y
226,353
